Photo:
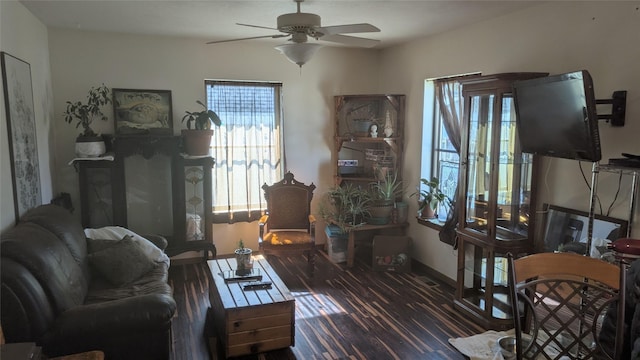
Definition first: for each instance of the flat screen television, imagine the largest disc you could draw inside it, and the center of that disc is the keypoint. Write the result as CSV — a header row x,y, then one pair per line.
x,y
556,116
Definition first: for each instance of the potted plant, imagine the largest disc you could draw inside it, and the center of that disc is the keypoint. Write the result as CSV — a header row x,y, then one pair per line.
x,y
430,198
88,143
243,259
346,206
385,193
197,136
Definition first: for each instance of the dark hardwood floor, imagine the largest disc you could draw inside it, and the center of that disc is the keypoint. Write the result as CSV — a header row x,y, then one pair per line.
x,y
340,314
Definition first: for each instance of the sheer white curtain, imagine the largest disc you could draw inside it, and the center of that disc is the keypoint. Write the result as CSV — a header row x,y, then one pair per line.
x,y
247,147
450,103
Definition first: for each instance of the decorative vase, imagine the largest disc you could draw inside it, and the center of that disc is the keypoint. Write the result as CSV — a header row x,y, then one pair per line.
x,y
388,126
90,146
197,142
427,213
243,259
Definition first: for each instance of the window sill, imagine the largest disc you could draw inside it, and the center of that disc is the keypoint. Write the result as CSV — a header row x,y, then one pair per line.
x,y
431,223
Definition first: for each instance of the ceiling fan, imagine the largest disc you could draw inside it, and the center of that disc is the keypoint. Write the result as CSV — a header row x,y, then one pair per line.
x,y
300,26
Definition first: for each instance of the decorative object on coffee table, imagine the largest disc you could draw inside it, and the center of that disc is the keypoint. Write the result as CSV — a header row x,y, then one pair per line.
x,y
243,259
21,124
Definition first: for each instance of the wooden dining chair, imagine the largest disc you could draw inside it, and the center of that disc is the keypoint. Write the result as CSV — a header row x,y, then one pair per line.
x,y
288,226
563,299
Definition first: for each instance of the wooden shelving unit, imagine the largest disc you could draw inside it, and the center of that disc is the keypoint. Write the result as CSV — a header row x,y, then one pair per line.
x,y
376,152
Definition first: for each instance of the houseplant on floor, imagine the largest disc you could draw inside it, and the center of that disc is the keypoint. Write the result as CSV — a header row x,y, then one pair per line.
x,y
197,136
88,143
430,198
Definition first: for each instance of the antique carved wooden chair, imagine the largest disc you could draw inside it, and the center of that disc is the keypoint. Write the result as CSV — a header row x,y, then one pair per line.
x,y
562,301
288,227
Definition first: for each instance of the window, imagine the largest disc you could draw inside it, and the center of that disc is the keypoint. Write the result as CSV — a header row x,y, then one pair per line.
x,y
247,147
441,158
446,158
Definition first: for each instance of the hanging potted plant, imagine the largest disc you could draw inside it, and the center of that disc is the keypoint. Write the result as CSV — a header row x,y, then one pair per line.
x,y
197,136
243,259
430,198
88,143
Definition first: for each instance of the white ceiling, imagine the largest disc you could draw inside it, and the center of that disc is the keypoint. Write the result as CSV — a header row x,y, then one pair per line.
x,y
399,21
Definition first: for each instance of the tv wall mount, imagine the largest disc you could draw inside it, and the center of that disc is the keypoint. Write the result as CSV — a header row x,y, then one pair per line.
x,y
618,104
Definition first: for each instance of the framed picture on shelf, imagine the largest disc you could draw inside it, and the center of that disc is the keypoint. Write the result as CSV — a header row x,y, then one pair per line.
x,y
142,112
21,131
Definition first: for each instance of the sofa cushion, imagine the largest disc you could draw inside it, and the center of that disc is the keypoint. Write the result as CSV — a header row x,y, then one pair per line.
x,y
123,262
100,239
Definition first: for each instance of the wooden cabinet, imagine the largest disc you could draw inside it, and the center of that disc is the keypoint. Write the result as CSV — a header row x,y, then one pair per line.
x,y
192,196
497,183
148,186
101,192
368,137
250,321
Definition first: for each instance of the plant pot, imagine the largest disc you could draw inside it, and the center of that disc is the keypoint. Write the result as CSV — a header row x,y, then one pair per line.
x,y
197,142
90,146
380,213
402,208
427,213
243,259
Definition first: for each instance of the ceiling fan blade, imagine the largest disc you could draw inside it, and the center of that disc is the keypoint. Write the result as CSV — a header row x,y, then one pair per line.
x,y
350,40
257,26
249,38
347,29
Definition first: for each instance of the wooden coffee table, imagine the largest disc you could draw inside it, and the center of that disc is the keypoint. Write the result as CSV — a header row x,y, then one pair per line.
x,y
250,321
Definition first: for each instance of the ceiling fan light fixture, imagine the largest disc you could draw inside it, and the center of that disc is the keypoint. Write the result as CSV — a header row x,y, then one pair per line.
x,y
298,53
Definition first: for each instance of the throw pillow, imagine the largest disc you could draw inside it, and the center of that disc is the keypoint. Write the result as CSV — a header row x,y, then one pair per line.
x,y
123,262
117,233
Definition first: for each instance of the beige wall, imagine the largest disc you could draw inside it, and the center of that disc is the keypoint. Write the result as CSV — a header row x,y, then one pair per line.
x,y
83,59
601,37
23,36
557,37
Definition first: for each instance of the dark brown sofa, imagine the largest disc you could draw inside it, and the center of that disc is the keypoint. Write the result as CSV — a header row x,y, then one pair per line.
x,y
52,295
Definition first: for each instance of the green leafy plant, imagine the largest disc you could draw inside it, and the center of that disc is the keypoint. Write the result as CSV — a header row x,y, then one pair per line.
x,y
388,189
201,120
346,206
86,113
242,249
431,195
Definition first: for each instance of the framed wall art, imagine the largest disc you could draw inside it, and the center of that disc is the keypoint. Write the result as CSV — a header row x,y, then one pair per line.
x,y
567,229
21,131
142,112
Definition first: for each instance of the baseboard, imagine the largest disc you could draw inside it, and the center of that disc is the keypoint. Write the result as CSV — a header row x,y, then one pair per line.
x,y
417,266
